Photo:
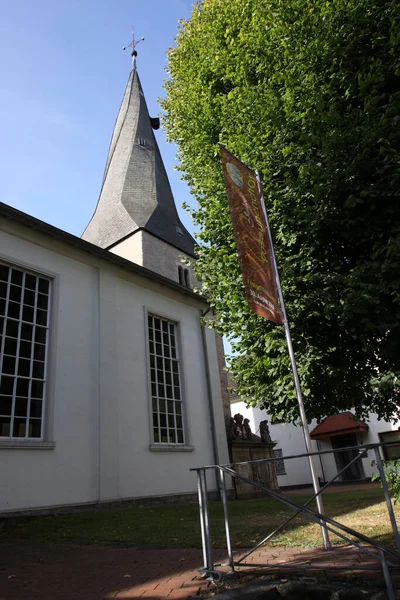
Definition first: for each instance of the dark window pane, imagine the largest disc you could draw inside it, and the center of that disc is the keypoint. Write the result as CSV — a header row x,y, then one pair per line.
x,y
177,393
160,376
5,426
43,285
21,407
40,335
165,339
6,385
15,293
169,391
41,317
150,321
39,352
38,370
35,428
176,379
161,392
170,406
158,336
154,404
156,436
28,314
25,349
179,422
37,389
163,420
4,273
22,387
10,346
12,328
42,301
19,428
14,309
178,408
168,378
9,365
2,306
159,363
158,349
151,347
30,281
167,352
29,297
161,405
180,436
24,367
165,326
26,331
171,421
164,437
16,276
3,289
155,420
36,408
153,389
5,405
157,323
172,436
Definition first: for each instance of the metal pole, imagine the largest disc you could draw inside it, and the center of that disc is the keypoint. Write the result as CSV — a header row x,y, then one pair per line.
x,y
387,497
386,574
201,507
207,529
307,439
226,518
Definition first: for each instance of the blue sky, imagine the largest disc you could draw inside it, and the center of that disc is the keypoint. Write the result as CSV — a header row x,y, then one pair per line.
x,y
63,76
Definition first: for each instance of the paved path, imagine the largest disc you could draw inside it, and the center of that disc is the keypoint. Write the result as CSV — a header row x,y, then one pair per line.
x,y
70,572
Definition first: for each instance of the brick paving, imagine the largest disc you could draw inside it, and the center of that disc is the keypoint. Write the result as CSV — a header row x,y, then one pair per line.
x,y
33,571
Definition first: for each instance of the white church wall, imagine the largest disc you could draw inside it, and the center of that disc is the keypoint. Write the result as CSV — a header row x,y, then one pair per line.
x,y
66,474
99,399
154,254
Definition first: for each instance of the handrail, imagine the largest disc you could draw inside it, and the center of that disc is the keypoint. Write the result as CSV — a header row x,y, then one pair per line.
x,y
305,455
329,524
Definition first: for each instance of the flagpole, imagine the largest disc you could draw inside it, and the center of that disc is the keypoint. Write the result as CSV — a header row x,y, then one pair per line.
x,y
307,438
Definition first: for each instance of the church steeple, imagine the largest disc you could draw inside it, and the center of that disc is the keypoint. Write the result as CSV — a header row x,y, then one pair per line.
x,y
136,195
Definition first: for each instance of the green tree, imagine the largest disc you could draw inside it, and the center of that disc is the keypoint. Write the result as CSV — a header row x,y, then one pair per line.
x,y
308,93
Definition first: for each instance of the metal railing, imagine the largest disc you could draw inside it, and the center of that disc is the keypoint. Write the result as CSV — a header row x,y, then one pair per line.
x,y
381,552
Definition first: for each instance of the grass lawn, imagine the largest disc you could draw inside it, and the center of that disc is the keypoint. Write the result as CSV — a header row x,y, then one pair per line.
x,y
178,526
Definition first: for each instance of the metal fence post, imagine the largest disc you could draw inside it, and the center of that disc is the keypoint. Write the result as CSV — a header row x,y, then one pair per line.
x,y
207,527
201,507
226,519
386,574
388,499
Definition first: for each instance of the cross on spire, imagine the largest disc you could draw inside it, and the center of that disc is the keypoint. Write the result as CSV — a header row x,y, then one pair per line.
x,y
133,45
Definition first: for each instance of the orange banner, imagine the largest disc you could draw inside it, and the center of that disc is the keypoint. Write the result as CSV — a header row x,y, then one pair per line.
x,y
250,229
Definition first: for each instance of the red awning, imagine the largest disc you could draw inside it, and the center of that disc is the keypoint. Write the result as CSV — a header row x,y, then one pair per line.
x,y
338,425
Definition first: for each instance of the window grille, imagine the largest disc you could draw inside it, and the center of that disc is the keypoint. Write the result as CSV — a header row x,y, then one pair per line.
x,y
165,382
24,331
279,464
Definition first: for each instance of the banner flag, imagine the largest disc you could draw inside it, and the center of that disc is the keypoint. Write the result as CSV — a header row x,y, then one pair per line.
x,y
250,229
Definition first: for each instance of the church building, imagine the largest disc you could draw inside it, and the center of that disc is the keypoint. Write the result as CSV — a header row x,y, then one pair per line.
x,y
109,383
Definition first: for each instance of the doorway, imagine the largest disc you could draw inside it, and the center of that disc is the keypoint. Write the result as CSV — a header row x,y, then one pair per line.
x,y
356,470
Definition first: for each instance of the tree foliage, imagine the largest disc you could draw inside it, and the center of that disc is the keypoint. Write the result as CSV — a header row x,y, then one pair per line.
x,y
308,93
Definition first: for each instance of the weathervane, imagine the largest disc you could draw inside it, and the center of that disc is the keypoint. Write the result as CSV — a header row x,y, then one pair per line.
x,y
133,45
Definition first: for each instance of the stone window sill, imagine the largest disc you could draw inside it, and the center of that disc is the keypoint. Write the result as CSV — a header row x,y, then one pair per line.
x,y
26,444
170,448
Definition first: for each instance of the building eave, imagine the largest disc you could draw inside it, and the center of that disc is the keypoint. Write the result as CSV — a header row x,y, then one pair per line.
x,y
12,214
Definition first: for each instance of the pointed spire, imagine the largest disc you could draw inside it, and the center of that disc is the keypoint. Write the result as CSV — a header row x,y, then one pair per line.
x,y
135,194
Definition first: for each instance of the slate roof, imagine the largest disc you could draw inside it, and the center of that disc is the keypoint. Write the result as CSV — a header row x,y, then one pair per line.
x,y
135,193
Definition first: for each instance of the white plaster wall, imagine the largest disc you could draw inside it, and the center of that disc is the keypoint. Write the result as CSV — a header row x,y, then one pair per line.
x,y
152,253
99,400
68,473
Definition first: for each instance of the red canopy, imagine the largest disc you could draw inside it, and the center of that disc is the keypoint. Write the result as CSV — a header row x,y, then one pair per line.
x,y
338,425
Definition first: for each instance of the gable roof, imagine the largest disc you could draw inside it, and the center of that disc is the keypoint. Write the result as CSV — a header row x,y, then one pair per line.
x,y
338,425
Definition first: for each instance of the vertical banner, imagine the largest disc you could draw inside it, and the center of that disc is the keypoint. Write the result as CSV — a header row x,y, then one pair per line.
x,y
252,238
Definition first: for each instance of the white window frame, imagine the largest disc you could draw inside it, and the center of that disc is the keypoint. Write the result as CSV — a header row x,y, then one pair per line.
x,y
26,441
158,446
